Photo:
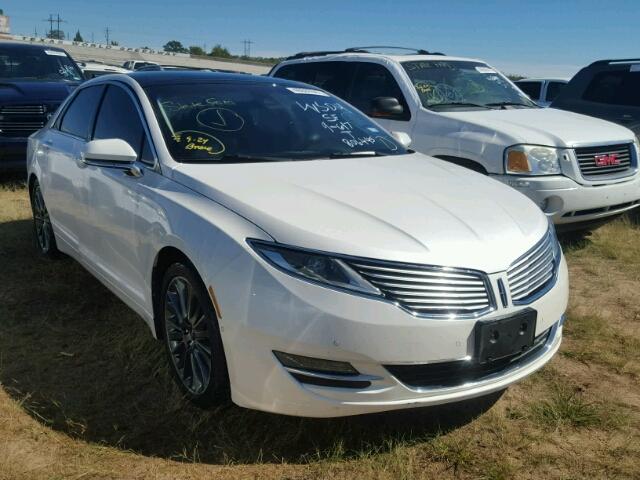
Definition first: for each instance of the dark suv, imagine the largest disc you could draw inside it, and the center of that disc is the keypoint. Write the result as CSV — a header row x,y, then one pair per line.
x,y
34,80
607,89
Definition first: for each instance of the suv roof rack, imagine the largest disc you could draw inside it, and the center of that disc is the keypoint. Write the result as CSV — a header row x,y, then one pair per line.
x,y
415,51
616,60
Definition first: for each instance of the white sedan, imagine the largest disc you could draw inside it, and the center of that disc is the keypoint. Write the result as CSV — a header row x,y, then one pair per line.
x,y
291,254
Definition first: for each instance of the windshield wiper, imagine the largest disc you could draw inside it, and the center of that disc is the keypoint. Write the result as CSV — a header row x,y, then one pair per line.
x,y
370,153
458,104
508,104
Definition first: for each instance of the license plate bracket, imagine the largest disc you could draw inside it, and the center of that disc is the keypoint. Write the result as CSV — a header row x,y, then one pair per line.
x,y
505,337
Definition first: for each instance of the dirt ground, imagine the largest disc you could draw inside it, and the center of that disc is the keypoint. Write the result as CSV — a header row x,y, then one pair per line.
x,y
85,391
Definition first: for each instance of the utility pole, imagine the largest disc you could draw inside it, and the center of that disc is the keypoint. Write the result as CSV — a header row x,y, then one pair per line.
x,y
92,41
50,20
247,47
58,21
106,34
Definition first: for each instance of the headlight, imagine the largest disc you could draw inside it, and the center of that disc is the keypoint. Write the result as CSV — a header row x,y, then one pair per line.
x,y
315,267
532,160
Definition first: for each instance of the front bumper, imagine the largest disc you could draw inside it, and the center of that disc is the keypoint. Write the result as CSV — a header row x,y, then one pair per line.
x,y
13,154
568,202
286,314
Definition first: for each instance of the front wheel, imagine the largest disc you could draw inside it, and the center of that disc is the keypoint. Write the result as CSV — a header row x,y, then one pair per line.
x,y
192,337
45,239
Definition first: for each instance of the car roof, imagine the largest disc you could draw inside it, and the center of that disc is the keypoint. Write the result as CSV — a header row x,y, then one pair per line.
x,y
30,46
366,55
165,77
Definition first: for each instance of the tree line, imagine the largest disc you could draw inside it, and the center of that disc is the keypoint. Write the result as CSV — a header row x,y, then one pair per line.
x,y
217,51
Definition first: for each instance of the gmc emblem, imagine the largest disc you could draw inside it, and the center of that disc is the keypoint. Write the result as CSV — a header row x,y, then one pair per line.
x,y
607,160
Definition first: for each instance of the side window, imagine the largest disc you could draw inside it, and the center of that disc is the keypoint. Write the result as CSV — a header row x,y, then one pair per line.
x,y
614,87
333,77
553,89
373,80
532,89
118,118
79,115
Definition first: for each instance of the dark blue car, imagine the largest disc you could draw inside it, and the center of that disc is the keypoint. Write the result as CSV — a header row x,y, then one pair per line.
x,y
34,80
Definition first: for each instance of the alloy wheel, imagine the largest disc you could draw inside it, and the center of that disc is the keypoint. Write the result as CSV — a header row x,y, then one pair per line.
x,y
187,335
44,232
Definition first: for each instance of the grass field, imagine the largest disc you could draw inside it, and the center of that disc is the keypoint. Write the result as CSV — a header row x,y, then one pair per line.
x,y
85,391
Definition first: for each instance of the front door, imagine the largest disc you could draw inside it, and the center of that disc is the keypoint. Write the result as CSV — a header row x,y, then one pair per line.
x,y
119,200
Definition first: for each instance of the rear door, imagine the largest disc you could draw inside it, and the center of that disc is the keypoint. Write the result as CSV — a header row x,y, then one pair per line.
x,y
63,178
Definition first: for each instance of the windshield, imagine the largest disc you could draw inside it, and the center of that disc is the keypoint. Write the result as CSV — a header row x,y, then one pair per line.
x,y
224,122
38,65
454,84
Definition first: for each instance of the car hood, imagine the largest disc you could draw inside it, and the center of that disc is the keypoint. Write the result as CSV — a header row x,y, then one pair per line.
x,y
545,126
410,208
23,91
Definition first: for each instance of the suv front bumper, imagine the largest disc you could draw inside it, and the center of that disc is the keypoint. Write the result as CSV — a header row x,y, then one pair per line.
x,y
13,154
567,202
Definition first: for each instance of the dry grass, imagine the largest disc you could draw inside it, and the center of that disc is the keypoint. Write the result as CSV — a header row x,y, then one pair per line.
x,y
85,392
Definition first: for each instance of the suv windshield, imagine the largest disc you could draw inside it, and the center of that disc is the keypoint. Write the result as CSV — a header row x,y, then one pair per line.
x,y
453,84
37,64
239,122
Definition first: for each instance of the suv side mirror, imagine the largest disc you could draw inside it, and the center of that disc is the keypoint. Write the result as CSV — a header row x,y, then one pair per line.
x,y
386,107
403,138
110,150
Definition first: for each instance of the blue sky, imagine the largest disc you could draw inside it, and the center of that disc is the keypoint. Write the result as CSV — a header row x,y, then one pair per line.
x,y
535,37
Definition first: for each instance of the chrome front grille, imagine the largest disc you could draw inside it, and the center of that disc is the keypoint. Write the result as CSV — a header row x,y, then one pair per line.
x,y
606,161
534,273
428,290
21,120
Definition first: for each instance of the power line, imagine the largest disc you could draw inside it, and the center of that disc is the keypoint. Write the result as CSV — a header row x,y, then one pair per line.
x,y
247,47
58,21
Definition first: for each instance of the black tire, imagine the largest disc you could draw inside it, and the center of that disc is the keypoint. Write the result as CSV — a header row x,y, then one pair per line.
x,y
45,240
192,337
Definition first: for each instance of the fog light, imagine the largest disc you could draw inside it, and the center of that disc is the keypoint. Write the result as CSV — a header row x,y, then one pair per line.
x,y
315,364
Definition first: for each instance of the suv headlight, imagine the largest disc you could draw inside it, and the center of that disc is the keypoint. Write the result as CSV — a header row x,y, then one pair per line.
x,y
532,160
313,266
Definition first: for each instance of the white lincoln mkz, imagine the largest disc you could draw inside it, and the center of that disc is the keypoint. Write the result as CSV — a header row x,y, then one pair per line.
x,y
291,254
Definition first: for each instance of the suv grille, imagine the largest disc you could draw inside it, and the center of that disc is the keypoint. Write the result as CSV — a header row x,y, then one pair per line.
x,y
611,160
21,120
534,272
427,290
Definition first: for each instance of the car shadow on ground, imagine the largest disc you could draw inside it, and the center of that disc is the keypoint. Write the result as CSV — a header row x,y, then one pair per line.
x,y
78,360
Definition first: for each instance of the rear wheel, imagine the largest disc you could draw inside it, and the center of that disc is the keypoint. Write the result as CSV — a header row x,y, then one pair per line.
x,y
44,237
192,337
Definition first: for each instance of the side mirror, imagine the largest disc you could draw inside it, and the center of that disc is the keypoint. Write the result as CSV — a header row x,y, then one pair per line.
x,y
386,107
111,150
403,138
